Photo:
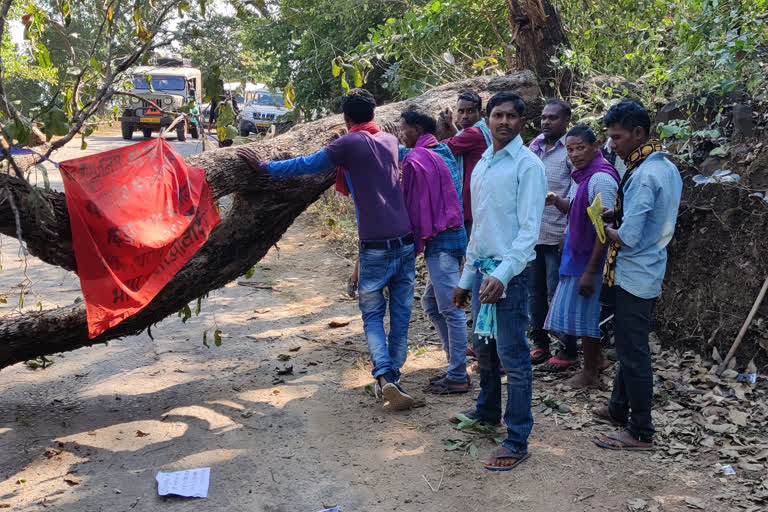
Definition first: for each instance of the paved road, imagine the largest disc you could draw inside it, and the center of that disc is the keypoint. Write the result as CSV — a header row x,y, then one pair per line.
x,y
109,139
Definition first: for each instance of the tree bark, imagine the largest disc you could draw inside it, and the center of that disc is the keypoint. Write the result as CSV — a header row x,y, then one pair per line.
x,y
262,210
538,34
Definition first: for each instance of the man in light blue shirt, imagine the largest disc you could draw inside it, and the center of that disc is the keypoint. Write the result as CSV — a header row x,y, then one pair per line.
x,y
642,224
508,191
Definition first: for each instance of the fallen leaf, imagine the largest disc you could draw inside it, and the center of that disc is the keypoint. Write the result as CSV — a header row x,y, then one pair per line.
x,y
286,371
262,311
72,480
725,428
275,391
738,417
338,323
746,466
139,433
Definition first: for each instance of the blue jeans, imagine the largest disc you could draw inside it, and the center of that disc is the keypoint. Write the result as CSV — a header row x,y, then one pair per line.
x,y
511,350
450,322
544,274
393,269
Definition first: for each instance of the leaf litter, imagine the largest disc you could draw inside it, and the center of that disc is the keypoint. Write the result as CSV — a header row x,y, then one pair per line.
x,y
701,420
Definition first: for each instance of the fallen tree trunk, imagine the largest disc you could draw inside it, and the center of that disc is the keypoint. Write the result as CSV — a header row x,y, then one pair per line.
x,y
262,210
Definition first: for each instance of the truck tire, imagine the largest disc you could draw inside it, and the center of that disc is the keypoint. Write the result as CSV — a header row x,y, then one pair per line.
x,y
147,133
194,131
180,133
244,132
127,130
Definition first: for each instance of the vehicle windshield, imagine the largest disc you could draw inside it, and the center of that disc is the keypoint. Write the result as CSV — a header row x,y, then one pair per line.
x,y
160,83
268,98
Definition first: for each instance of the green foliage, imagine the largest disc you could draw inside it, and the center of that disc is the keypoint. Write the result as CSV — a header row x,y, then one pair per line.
x,y
673,47
435,43
38,362
214,43
300,46
55,122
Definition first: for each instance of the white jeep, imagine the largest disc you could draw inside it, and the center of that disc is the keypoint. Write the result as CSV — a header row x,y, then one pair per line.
x,y
265,109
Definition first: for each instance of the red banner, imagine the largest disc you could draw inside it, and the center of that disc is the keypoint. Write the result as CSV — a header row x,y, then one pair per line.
x,y
138,214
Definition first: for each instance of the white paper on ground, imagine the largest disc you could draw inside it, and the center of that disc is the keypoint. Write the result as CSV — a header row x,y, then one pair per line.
x,y
192,483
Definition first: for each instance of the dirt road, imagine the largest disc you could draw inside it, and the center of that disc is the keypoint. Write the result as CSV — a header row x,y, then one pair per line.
x,y
90,432
281,414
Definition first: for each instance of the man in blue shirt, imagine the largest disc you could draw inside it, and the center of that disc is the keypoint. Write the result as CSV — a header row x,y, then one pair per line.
x,y
508,191
641,225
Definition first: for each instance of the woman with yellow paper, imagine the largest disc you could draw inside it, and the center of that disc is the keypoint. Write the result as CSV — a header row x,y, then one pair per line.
x,y
575,308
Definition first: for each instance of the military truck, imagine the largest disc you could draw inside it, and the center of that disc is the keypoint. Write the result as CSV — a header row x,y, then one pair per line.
x,y
172,87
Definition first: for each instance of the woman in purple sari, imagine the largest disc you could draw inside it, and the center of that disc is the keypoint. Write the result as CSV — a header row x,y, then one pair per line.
x,y
575,308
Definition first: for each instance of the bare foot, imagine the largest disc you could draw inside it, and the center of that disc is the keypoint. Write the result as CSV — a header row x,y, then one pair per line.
x,y
604,363
583,381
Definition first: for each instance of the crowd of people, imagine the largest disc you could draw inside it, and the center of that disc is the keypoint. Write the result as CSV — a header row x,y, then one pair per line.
x,y
507,226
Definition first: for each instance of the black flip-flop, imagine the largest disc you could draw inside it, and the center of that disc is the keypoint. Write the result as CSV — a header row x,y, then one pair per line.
x,y
491,467
440,387
539,355
625,446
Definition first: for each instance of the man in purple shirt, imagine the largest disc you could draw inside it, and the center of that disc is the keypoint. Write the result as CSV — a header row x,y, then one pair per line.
x,y
369,159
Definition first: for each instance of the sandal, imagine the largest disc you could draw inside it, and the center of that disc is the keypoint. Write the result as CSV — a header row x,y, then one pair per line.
x,y
623,441
351,288
603,415
539,355
444,375
511,455
556,365
447,387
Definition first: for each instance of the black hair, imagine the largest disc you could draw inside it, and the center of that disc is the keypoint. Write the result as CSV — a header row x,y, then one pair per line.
x,y
472,97
565,107
583,131
629,114
413,116
358,105
505,97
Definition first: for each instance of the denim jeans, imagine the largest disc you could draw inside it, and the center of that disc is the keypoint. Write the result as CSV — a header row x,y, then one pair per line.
x,y
511,350
450,322
632,395
468,229
393,269
544,274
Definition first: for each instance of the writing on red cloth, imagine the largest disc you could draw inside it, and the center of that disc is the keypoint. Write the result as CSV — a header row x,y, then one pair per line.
x,y
138,214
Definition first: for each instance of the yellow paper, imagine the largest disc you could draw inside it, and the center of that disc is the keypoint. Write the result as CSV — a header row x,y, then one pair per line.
x,y
595,210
